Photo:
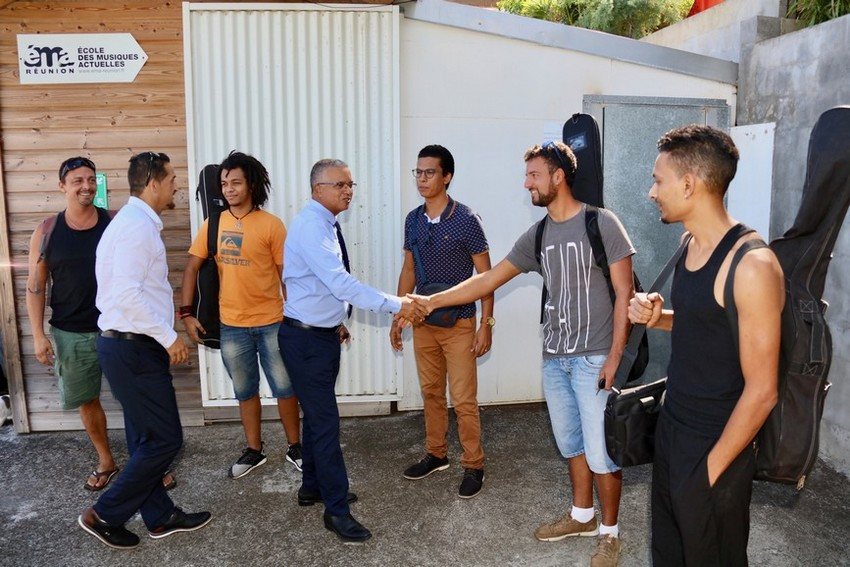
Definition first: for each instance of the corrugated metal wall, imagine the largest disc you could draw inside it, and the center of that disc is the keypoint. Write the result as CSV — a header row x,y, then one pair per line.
x,y
292,84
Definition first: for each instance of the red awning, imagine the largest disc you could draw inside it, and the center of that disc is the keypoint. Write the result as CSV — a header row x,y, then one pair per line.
x,y
700,5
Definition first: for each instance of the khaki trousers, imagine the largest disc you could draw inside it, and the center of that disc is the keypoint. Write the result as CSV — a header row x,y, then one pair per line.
x,y
441,351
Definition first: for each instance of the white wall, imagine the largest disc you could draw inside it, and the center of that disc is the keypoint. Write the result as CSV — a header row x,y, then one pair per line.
x,y
488,98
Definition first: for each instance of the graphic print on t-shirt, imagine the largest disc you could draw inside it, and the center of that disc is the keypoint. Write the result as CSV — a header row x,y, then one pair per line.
x,y
566,327
230,248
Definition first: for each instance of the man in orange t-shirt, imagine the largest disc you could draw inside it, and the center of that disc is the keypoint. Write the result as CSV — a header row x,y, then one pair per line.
x,y
250,263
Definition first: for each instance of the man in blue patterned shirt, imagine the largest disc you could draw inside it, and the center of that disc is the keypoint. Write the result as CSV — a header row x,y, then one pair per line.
x,y
443,241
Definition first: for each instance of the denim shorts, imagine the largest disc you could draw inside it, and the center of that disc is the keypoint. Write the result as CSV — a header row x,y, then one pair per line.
x,y
240,347
577,408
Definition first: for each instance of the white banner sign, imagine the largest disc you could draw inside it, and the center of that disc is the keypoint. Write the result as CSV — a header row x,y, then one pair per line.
x,y
79,58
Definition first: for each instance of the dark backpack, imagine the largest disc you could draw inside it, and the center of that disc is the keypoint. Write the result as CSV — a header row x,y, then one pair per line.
x,y
205,304
787,444
591,222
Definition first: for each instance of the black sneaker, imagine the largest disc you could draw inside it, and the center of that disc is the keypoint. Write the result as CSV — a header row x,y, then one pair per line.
x,y
180,521
473,480
426,466
116,537
293,455
250,459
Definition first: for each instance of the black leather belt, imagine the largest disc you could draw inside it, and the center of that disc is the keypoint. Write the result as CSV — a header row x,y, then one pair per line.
x,y
121,336
290,322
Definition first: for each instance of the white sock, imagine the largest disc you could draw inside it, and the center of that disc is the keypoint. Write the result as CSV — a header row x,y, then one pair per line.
x,y
613,530
582,515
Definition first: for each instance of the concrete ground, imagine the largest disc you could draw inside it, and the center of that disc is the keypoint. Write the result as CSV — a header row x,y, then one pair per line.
x,y
256,520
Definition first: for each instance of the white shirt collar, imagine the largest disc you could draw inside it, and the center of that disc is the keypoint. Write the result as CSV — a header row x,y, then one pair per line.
x,y
138,203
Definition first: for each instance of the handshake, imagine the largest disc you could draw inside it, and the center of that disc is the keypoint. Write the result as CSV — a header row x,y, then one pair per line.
x,y
414,309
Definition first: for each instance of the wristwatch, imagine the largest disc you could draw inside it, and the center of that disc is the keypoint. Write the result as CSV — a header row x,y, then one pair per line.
x,y
488,321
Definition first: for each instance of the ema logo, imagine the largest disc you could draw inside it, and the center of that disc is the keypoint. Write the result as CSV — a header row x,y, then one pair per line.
x,y
47,60
79,58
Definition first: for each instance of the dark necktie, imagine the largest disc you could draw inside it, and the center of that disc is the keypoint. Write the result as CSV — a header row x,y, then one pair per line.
x,y
344,255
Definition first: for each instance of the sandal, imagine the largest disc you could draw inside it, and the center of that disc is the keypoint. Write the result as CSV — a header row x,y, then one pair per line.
x,y
97,479
169,485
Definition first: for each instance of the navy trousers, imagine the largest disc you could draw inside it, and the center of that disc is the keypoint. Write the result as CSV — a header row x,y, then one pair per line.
x,y
312,362
138,374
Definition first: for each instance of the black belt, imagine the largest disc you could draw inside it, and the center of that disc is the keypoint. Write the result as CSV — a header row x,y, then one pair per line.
x,y
299,325
121,336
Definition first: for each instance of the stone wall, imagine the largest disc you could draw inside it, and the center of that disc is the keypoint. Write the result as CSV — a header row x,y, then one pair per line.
x,y
791,80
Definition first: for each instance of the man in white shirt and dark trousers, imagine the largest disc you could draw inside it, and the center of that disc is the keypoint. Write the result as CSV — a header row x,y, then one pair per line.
x,y
136,347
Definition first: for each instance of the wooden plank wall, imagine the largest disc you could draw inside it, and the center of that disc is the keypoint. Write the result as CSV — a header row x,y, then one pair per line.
x,y
41,125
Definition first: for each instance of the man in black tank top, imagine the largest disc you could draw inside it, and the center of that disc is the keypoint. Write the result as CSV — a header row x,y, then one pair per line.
x,y
719,392
62,248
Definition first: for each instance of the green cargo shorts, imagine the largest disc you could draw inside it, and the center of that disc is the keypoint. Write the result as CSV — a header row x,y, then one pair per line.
x,y
76,367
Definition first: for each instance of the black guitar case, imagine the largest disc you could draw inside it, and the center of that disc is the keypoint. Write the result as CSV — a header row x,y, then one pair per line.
x,y
208,192
581,134
788,442
205,303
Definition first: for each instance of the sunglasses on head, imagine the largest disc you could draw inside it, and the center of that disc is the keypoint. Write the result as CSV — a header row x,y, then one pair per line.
x,y
550,145
74,163
150,157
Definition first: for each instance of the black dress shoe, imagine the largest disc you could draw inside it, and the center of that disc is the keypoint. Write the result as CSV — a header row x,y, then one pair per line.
x,y
308,497
347,528
180,521
116,537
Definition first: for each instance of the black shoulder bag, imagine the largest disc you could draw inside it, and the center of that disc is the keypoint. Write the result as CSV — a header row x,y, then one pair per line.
x,y
631,414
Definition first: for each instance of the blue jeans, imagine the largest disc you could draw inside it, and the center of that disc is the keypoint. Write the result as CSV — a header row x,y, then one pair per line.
x,y
239,349
577,408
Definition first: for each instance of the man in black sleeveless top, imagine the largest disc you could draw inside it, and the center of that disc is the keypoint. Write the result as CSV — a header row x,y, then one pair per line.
x,y
62,248
719,392
67,257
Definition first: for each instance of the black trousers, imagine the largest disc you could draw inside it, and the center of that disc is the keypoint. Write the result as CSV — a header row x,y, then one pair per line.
x,y
694,524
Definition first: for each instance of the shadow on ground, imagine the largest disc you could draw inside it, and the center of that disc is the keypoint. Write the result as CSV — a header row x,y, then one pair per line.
x,y
256,520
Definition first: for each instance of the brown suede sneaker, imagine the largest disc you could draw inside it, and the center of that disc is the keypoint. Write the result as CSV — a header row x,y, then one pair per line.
x,y
566,527
607,551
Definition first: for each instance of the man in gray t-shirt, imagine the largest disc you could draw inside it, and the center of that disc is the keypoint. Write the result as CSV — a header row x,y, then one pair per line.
x,y
584,336
578,317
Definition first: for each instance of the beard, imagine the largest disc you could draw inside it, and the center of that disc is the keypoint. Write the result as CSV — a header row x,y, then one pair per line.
x,y
544,200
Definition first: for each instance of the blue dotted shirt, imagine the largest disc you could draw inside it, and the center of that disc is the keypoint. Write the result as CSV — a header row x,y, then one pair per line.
x,y
446,247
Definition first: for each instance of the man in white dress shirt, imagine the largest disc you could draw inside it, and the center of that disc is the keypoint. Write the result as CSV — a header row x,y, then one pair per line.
x,y
136,347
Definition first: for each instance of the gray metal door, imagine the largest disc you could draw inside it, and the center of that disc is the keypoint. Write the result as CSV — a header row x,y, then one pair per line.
x,y
630,127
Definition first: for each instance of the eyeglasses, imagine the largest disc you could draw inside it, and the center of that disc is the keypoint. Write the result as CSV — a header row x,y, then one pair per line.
x,y
339,184
74,163
550,145
428,173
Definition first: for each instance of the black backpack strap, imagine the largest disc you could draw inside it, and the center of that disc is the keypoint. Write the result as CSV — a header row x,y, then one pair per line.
x,y
638,330
591,224
538,251
729,287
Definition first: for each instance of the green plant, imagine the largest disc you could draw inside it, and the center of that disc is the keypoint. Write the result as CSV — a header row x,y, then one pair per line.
x,y
630,18
812,12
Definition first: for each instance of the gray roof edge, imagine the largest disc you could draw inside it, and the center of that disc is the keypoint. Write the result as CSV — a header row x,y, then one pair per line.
x,y
568,37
